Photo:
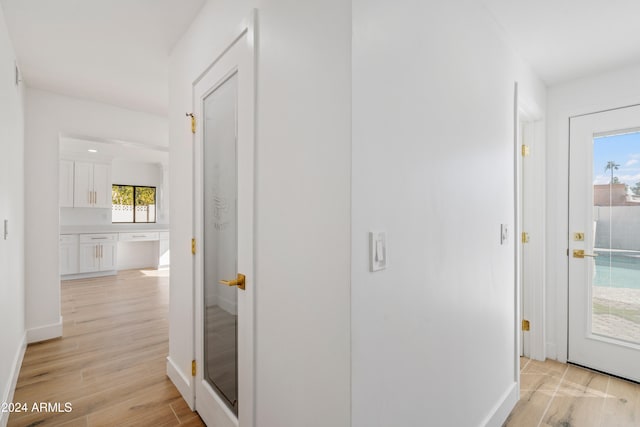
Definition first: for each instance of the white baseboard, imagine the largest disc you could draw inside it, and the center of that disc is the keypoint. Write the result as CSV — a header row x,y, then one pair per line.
x,y
551,352
7,393
182,382
43,333
503,408
88,275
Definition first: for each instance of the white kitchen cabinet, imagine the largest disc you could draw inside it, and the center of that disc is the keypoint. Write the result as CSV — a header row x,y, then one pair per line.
x,y
164,257
98,252
66,183
92,185
68,254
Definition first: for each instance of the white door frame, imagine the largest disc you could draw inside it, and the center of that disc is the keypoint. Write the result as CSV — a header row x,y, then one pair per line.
x,y
533,223
247,35
529,217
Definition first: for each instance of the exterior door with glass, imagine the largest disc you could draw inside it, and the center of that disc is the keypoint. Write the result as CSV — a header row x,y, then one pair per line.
x,y
604,242
224,205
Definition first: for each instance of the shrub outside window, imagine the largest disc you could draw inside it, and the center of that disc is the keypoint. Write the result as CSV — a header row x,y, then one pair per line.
x,y
133,204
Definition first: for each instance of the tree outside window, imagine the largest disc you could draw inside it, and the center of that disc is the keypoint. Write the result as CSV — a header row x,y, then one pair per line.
x,y
133,204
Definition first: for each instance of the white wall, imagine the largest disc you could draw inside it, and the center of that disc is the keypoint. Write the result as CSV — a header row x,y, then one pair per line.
x,y
433,166
303,203
47,116
12,334
588,95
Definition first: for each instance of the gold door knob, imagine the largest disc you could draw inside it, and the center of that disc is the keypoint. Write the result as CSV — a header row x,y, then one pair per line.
x,y
239,282
579,253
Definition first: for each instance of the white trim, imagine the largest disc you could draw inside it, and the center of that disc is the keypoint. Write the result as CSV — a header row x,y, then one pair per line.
x,y
500,412
46,332
7,393
93,274
183,383
246,182
534,252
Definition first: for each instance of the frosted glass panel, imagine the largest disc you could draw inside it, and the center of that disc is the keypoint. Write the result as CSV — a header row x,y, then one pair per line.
x,y
616,210
220,241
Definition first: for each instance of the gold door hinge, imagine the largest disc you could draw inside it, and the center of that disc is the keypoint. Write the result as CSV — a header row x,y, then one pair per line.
x,y
525,325
193,122
525,150
525,237
193,246
193,368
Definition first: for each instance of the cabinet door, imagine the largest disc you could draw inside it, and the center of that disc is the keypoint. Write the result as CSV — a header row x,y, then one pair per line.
x,y
102,185
108,256
89,260
66,183
68,254
83,185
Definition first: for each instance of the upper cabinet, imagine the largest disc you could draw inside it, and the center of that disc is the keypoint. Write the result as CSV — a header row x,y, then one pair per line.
x,y
89,185
66,184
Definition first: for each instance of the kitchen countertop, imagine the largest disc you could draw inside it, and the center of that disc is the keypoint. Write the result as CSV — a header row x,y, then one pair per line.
x,y
112,228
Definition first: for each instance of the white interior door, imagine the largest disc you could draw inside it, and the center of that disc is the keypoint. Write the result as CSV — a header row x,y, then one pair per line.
x,y
604,223
224,181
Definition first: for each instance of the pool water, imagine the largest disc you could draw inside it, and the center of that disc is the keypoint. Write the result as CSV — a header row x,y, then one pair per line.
x,y
617,270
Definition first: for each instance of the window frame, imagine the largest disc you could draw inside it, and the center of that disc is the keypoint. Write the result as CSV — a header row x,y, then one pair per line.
x,y
155,199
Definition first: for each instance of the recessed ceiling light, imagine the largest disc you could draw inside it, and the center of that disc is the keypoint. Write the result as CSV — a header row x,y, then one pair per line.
x,y
91,150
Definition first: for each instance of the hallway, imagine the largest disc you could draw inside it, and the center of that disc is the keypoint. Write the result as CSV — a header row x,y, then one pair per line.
x,y
110,363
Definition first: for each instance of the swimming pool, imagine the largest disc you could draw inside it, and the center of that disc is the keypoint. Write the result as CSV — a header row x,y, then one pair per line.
x,y
617,269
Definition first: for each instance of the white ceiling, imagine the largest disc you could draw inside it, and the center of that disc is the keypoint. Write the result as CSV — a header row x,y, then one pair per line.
x,y
116,51
567,39
77,147
111,51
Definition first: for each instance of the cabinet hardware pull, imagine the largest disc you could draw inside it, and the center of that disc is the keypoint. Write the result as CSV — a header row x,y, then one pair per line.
x,y
99,238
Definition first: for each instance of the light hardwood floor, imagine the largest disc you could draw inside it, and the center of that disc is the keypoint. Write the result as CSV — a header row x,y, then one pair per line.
x,y
560,395
110,363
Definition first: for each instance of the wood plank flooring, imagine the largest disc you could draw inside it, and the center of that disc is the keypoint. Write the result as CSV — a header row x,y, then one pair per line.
x,y
559,395
110,363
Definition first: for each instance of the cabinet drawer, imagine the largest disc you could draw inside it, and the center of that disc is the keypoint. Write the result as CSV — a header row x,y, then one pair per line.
x,y
139,236
97,238
68,239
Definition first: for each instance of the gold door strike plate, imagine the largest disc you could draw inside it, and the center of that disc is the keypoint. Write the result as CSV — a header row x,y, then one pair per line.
x,y
578,237
525,325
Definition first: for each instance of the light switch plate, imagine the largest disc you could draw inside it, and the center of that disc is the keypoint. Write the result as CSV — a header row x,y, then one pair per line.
x,y
504,234
378,253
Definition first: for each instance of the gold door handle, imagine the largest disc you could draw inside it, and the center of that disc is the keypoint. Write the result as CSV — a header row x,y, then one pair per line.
x,y
239,282
579,253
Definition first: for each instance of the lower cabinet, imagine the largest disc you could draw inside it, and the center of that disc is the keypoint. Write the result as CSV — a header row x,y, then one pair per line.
x,y
68,254
98,252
